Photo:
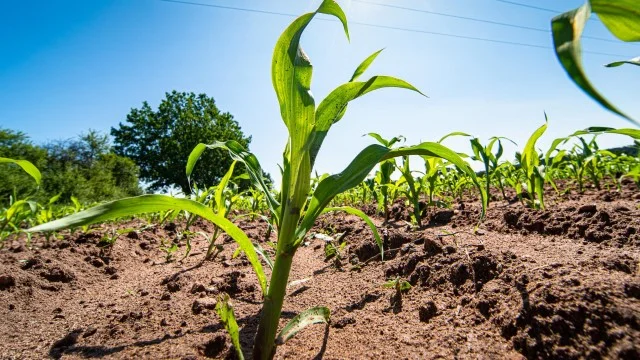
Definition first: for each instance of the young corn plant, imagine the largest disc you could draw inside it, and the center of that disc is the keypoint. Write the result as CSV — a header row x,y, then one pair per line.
x,y
620,17
490,161
413,191
383,175
297,209
534,173
220,203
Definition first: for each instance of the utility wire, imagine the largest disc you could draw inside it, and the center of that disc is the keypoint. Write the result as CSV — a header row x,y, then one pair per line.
x,y
475,19
538,8
529,6
496,41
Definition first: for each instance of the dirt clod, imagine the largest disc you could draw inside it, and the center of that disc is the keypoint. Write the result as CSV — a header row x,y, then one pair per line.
x,y
7,281
427,311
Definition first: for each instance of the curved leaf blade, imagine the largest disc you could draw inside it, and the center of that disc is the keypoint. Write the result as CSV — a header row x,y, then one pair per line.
x,y
217,195
195,155
27,166
440,151
315,315
364,65
335,184
455,133
567,29
332,108
228,319
634,61
621,17
367,219
152,203
252,165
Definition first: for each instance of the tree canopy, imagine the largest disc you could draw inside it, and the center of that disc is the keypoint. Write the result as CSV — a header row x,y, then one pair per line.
x,y
160,141
84,167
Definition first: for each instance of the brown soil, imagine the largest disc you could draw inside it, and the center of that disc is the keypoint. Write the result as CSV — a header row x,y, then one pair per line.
x,y
560,283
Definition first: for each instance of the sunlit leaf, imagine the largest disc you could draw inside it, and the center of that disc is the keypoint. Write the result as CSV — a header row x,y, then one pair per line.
x,y
567,29
365,65
308,317
634,61
228,319
367,219
27,166
621,17
152,203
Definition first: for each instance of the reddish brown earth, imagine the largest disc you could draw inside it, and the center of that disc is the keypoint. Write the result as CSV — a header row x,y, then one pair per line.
x,y
560,283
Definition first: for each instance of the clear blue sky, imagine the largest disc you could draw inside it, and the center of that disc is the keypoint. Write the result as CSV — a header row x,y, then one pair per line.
x,y
67,66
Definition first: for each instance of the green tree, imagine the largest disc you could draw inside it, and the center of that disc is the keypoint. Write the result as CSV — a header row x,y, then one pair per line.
x,y
84,167
160,141
17,145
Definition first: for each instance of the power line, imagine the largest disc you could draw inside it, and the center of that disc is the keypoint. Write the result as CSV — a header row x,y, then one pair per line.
x,y
529,6
473,38
537,8
230,8
474,19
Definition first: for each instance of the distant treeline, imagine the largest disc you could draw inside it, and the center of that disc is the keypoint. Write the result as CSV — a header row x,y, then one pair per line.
x,y
630,150
84,167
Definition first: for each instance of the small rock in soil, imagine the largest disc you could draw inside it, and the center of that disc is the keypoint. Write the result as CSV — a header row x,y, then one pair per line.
x,y
459,274
427,311
7,281
344,321
57,274
200,305
442,217
590,208
90,331
632,290
32,263
214,347
197,287
97,262
431,247
173,286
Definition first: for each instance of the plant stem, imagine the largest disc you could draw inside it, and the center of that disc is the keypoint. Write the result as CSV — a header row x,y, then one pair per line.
x,y
212,244
264,346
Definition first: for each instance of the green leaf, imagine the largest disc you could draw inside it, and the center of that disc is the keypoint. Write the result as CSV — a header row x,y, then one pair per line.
x,y
330,251
621,17
440,151
529,153
13,209
291,72
220,205
315,315
595,130
264,255
363,216
365,65
567,29
152,203
634,61
552,148
455,133
335,184
228,319
27,166
193,158
239,153
332,108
